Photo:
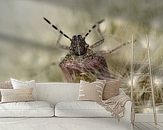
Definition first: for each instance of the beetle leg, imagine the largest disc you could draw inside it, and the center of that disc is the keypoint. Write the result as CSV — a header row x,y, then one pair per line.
x,y
98,43
59,45
116,48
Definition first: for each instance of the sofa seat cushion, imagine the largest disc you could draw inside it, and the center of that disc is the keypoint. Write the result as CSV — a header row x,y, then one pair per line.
x,y
80,109
26,109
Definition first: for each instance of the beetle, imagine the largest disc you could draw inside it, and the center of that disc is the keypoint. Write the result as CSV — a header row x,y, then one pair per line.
x,y
82,62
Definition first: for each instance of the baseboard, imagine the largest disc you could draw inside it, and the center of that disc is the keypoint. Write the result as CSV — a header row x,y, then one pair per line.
x,y
146,117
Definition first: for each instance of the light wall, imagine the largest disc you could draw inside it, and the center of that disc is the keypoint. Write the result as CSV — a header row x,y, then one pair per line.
x,y
28,49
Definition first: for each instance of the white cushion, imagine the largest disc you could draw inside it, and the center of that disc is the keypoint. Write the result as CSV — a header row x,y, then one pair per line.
x,y
80,109
17,84
26,109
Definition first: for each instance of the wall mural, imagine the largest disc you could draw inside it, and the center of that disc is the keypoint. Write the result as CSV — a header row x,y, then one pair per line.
x,y
30,49
82,62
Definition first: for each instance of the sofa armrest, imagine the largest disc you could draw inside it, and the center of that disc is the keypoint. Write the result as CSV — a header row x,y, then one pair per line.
x,y
127,118
128,112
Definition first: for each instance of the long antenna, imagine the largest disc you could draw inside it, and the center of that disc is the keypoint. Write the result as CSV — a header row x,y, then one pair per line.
x,y
93,27
54,27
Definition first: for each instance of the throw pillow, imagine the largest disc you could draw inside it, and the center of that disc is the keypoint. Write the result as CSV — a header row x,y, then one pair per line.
x,y
17,84
16,95
111,89
91,91
5,85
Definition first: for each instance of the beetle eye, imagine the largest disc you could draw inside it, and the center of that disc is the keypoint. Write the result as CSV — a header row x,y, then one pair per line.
x,y
79,36
74,37
86,45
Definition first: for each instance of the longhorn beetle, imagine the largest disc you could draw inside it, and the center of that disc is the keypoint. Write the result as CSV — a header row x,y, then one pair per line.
x,y
81,59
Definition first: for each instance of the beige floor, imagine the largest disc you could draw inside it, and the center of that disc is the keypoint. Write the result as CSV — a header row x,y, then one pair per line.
x,y
73,124
148,126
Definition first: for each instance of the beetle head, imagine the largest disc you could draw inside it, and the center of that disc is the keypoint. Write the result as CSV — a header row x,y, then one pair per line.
x,y
78,45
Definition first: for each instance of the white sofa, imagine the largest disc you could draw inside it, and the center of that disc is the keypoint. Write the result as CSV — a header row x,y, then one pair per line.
x,y
68,93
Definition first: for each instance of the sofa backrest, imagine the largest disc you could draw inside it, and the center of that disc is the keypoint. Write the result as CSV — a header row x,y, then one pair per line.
x,y
57,92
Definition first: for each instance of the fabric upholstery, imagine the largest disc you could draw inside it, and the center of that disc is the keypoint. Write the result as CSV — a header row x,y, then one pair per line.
x,y
111,89
16,95
91,91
